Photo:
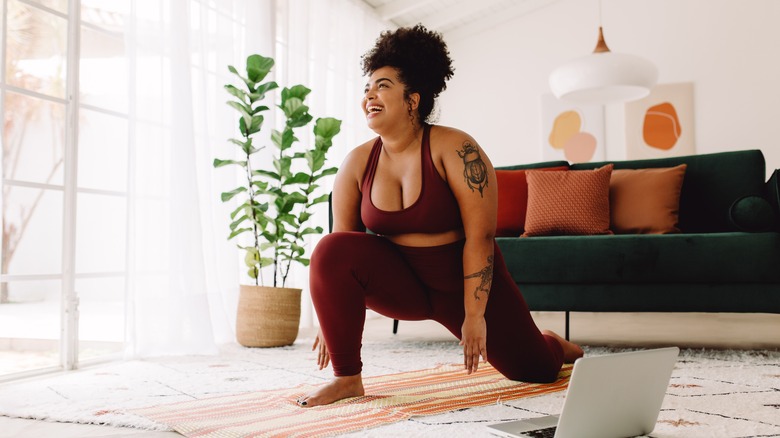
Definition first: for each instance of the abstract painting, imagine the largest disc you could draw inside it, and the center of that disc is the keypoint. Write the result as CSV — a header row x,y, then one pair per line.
x,y
572,132
661,124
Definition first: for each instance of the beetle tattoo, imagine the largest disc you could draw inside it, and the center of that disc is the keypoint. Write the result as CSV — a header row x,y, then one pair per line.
x,y
486,277
475,170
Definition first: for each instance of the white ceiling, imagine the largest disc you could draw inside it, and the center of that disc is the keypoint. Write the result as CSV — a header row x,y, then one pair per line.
x,y
454,18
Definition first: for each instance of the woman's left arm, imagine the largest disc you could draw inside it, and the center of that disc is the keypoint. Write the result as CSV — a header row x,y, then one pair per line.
x,y
473,181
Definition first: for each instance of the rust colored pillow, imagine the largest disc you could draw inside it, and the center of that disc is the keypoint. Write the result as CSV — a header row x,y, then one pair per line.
x,y
513,200
645,201
570,202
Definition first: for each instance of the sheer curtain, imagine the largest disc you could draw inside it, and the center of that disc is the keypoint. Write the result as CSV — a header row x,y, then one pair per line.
x,y
183,275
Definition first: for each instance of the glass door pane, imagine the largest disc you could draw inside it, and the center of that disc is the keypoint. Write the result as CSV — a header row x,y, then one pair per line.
x,y
30,326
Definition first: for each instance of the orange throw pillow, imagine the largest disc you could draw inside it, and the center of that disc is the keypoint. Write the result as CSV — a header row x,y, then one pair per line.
x,y
571,202
646,201
513,200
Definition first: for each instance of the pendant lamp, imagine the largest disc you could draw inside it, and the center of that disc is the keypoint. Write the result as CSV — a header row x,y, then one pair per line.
x,y
604,77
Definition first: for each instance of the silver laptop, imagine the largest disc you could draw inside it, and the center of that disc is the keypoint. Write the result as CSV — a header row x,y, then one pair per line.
x,y
612,396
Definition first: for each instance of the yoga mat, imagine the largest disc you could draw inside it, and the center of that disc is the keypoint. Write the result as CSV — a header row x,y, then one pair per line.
x,y
388,399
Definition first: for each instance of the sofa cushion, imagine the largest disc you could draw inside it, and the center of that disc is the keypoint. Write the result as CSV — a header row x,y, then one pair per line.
x,y
752,214
513,200
712,183
645,201
733,257
568,202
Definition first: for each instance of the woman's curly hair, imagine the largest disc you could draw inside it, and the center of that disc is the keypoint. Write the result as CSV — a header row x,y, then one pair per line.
x,y
421,58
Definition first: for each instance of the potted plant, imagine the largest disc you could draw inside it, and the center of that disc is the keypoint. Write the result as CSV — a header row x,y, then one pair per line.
x,y
275,200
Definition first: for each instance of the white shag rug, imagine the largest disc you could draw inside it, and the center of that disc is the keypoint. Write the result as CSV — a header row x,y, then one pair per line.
x,y
712,393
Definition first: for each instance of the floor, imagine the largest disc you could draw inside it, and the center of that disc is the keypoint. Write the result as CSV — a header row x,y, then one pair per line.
x,y
720,331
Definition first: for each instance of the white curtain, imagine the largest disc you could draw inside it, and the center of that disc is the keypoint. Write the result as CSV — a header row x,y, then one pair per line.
x,y
183,275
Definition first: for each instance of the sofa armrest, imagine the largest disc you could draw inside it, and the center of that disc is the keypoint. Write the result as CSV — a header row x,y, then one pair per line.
x,y
772,194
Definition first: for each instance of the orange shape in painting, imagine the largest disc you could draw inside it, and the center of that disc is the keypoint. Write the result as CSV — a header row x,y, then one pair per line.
x,y
566,125
580,148
662,127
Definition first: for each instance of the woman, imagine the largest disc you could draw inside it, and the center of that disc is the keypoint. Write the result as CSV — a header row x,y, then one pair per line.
x,y
429,194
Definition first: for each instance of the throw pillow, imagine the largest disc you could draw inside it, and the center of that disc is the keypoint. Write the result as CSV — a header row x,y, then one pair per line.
x,y
570,202
645,201
513,200
752,214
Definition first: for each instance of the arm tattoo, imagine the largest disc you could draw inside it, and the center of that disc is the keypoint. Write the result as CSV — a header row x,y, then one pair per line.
x,y
475,170
486,275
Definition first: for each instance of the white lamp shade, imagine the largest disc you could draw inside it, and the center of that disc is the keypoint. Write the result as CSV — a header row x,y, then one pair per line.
x,y
604,77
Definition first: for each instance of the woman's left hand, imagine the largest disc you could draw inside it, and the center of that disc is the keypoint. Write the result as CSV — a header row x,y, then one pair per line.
x,y
474,342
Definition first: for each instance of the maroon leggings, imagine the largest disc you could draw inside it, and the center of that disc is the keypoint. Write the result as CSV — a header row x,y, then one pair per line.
x,y
352,271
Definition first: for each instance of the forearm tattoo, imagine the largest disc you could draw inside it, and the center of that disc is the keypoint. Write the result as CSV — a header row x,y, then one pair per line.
x,y
486,278
474,170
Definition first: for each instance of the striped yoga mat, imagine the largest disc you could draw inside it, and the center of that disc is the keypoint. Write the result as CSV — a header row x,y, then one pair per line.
x,y
389,399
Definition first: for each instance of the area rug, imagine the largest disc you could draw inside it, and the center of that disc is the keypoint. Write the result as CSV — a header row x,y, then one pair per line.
x,y
713,393
388,399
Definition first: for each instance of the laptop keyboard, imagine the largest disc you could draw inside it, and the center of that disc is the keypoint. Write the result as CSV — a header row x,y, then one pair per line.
x,y
548,432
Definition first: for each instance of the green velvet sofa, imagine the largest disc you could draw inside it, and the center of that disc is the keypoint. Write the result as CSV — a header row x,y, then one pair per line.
x,y
725,259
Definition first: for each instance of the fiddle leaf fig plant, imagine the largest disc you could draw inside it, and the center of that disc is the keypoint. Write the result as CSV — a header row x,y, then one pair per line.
x,y
278,194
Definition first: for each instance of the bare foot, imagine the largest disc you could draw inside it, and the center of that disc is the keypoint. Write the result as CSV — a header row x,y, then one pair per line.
x,y
571,351
338,389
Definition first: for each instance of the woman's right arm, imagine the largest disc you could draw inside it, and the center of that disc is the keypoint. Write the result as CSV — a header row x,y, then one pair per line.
x,y
346,192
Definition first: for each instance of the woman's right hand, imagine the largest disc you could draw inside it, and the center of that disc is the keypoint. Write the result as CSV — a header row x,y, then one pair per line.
x,y
323,358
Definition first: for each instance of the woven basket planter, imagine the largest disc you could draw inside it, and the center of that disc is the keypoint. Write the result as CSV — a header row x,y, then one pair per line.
x,y
268,316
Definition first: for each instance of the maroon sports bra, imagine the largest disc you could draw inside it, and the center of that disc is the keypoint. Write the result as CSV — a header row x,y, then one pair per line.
x,y
435,210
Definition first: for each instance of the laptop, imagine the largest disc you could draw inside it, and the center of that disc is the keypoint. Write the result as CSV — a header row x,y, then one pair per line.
x,y
611,396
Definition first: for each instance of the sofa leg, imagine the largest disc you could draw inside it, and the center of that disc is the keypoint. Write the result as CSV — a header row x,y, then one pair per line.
x,y
567,325
395,326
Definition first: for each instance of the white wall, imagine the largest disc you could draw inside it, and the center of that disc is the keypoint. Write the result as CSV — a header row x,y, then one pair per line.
x,y
729,50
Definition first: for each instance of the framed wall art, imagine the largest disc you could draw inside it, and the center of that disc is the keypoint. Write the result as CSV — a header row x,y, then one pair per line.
x,y
572,132
661,124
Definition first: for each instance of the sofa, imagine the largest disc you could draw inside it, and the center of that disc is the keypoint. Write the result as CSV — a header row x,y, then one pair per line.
x,y
722,255
719,252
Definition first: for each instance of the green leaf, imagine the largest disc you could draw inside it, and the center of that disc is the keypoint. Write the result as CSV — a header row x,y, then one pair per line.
x,y
294,108
297,91
237,92
242,207
259,109
252,272
309,230
327,172
266,261
327,128
286,203
315,159
237,232
302,119
242,126
221,163
227,196
261,90
237,222
257,67
288,138
245,110
256,123
319,200
298,178
267,173
265,245
252,257
303,217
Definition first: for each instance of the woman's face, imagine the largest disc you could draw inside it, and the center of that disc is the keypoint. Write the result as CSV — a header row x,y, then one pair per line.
x,y
383,101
